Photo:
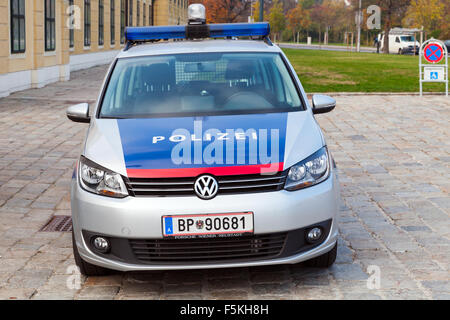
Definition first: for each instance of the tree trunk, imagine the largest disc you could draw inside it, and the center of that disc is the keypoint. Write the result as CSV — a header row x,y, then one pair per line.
x,y
320,35
387,27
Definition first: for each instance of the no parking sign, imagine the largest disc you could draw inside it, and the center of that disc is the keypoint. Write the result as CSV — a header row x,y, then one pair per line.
x,y
433,52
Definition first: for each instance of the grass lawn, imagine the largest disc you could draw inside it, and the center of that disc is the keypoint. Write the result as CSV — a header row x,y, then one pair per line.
x,y
332,71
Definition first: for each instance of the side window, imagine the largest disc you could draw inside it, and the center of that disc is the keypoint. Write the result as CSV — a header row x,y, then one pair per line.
x,y
71,30
112,21
397,39
122,21
101,23
50,37
87,23
17,26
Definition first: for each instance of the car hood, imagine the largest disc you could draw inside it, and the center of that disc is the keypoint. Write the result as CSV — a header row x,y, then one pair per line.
x,y
189,146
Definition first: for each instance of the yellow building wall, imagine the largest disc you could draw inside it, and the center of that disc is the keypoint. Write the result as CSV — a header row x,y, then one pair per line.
x,y
35,59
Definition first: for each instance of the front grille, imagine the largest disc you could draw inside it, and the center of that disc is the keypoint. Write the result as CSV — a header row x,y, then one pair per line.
x,y
185,186
208,249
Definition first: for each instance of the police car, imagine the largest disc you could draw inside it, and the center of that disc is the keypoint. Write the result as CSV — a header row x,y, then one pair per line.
x,y
203,152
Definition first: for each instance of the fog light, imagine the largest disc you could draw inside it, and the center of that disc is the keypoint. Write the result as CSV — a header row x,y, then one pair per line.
x,y
101,244
314,234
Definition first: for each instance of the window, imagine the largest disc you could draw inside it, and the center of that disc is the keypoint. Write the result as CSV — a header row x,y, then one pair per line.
x,y
101,23
407,38
200,84
138,13
130,13
50,38
17,26
144,17
113,21
122,21
72,22
87,23
150,14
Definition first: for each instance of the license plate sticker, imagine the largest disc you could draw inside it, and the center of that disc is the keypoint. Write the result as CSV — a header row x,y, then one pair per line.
x,y
208,225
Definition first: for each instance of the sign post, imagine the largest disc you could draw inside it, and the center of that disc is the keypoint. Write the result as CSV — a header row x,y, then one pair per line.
x,y
433,52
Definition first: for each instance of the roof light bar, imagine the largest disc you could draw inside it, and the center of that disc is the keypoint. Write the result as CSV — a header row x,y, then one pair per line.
x,y
259,29
142,34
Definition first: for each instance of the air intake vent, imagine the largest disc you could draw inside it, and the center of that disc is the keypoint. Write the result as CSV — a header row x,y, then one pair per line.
x,y
215,249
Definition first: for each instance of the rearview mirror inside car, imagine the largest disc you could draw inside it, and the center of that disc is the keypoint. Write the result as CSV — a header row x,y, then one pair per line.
x,y
79,113
322,103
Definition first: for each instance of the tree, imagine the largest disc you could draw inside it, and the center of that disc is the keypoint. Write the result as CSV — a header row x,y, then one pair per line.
x,y
391,10
277,19
426,13
255,7
328,15
444,25
299,19
225,11
317,17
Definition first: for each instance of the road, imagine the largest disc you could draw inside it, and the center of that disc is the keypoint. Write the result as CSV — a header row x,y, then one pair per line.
x,y
323,47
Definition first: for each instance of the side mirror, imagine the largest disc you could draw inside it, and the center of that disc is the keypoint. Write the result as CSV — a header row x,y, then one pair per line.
x,y
79,113
322,104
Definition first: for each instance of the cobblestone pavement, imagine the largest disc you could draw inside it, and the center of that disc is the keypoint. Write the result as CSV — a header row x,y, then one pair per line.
x,y
393,154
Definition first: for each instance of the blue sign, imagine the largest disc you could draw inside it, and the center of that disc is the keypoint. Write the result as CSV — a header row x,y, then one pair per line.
x,y
434,76
433,53
168,225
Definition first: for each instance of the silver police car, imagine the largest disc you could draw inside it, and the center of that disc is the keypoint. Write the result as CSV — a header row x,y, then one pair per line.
x,y
203,153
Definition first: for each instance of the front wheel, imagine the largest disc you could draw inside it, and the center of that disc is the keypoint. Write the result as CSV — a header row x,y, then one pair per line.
x,y
86,268
324,261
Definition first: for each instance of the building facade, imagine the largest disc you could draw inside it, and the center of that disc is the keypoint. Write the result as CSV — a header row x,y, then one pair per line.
x,y
42,41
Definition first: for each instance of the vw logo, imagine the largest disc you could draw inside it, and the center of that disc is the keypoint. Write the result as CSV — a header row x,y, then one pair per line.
x,y
206,187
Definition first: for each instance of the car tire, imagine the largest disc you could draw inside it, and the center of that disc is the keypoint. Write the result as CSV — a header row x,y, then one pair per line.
x,y
86,268
324,261
400,51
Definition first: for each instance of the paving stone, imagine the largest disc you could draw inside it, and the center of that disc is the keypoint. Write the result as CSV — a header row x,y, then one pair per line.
x,y
97,292
29,278
348,272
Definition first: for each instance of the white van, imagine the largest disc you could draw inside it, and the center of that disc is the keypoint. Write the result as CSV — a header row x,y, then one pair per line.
x,y
400,44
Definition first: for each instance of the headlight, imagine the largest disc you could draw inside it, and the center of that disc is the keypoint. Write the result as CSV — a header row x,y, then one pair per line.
x,y
96,179
311,171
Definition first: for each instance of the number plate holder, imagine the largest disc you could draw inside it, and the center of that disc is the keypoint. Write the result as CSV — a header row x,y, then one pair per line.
x,y
207,225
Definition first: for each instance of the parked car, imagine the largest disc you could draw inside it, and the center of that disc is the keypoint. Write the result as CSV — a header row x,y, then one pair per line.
x,y
203,154
401,44
447,44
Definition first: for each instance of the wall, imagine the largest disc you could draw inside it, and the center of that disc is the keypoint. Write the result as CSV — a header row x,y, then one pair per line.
x,y
36,67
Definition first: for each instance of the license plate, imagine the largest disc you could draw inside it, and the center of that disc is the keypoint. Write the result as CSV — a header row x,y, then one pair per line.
x,y
208,225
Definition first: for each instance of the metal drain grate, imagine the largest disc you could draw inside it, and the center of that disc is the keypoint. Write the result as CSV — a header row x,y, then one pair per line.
x,y
58,223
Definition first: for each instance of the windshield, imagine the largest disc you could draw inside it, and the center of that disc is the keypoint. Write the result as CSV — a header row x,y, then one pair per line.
x,y
408,38
205,83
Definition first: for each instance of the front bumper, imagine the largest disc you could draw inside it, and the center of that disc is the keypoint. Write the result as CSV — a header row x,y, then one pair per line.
x,y
140,218
411,50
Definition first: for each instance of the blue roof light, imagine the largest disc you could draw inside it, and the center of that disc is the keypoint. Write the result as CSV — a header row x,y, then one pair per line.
x,y
260,29
155,33
136,34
